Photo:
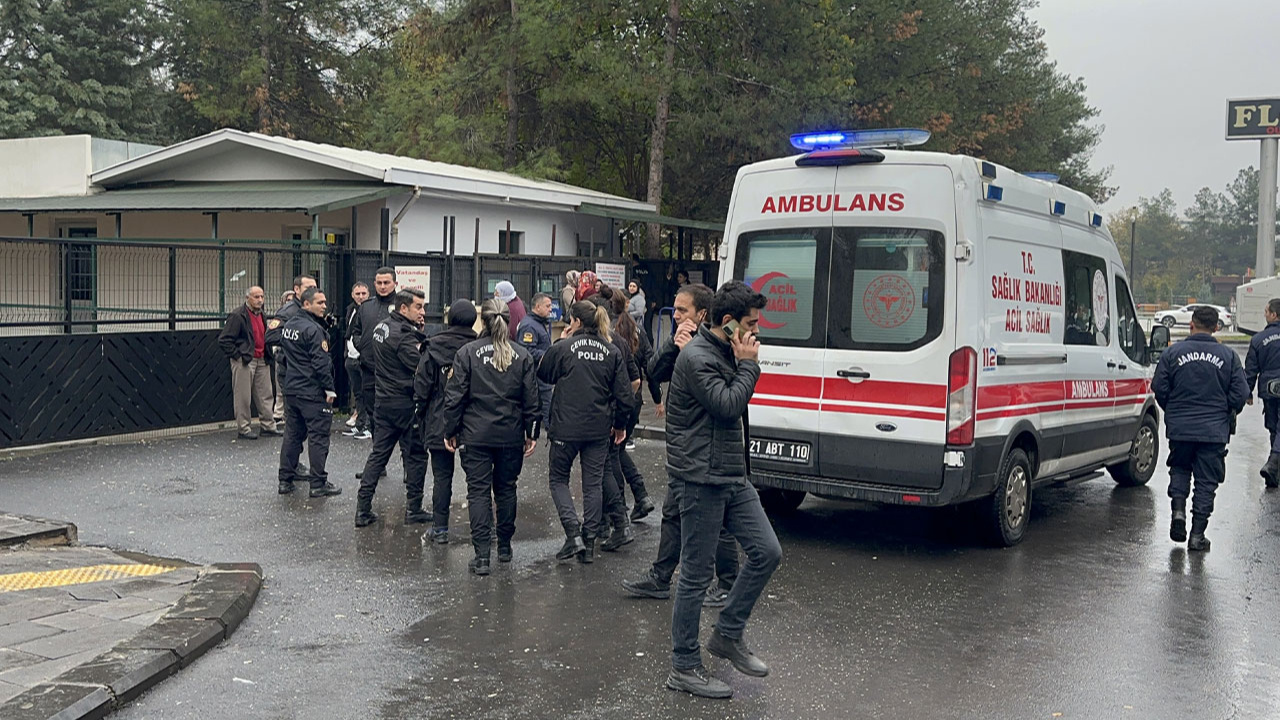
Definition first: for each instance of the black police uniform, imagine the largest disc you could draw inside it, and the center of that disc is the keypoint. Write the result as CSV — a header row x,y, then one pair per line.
x,y
396,351
370,313
534,335
1261,366
1201,385
592,395
491,413
429,382
307,378
619,463
275,325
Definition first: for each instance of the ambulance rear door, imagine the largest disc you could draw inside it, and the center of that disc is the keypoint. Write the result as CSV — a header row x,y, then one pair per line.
x,y
783,250
891,325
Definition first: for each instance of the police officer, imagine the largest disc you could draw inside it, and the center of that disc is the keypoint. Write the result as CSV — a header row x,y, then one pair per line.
x,y
1261,367
491,413
371,312
308,378
1200,384
534,335
590,407
434,370
286,312
397,345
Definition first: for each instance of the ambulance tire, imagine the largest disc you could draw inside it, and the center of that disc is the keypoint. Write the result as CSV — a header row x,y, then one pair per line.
x,y
1143,456
1003,517
777,501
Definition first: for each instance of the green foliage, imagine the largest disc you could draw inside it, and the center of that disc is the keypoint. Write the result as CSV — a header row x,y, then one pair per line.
x,y
80,66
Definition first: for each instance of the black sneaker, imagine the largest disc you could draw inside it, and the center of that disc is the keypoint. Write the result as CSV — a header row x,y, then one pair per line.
x,y
572,546
440,536
644,506
647,588
270,433
479,566
697,681
716,597
737,652
421,517
504,552
365,519
247,436
285,487
620,537
325,490
1198,543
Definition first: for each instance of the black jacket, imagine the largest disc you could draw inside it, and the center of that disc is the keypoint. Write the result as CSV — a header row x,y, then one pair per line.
x,y
371,312
286,313
707,426
1262,364
1201,386
396,351
236,338
534,335
307,369
429,382
661,365
487,408
592,393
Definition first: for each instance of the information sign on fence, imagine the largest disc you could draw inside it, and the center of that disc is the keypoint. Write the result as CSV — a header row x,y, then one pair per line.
x,y
612,274
414,276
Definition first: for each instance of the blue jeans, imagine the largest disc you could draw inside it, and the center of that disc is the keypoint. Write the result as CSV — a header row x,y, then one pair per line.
x,y
704,509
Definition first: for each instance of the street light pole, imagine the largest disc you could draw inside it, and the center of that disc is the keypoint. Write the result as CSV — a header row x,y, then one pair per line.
x,y
1133,269
1267,209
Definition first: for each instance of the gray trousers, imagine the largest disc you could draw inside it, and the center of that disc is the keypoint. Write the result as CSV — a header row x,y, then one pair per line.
x,y
251,385
279,403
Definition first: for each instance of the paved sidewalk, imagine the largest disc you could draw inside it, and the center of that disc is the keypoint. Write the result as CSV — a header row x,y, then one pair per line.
x,y
84,630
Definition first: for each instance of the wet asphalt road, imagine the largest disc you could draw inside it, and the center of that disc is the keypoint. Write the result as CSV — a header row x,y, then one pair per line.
x,y
874,613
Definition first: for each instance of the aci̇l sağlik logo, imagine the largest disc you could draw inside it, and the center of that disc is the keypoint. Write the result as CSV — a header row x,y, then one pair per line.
x,y
781,293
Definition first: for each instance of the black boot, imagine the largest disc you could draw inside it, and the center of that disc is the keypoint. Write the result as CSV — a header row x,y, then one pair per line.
x,y
365,515
1271,471
286,487
572,545
644,506
325,490
479,565
588,554
1198,542
622,535
1178,526
413,512
504,551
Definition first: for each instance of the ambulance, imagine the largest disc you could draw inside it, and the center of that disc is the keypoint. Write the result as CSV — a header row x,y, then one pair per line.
x,y
940,330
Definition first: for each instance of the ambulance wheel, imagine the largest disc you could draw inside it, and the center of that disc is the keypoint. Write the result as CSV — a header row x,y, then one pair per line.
x,y
1143,455
1168,321
780,502
1004,515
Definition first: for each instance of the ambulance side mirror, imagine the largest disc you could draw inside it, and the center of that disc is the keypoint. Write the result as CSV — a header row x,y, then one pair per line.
x,y
1159,341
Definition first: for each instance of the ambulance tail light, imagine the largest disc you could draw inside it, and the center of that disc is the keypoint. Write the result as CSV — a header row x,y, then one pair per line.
x,y
962,391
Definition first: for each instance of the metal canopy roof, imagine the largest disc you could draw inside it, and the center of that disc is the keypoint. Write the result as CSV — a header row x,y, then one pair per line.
x,y
311,198
642,216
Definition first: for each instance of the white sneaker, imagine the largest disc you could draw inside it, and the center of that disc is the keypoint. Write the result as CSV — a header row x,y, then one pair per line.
x,y
631,444
363,435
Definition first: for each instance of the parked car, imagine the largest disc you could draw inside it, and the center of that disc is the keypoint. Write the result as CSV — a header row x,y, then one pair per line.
x,y
1182,316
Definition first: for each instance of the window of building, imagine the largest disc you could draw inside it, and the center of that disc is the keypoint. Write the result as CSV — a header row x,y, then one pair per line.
x,y
510,244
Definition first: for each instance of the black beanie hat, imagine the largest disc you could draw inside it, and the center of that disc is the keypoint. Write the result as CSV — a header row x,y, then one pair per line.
x,y
462,313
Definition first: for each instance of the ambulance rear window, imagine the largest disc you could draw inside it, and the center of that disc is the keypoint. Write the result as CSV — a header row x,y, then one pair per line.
x,y
784,266
887,288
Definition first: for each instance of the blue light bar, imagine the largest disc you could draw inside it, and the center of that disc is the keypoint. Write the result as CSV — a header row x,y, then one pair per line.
x,y
994,193
1057,207
893,137
1047,176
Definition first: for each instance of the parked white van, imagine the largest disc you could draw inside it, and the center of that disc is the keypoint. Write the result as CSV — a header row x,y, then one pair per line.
x,y
939,330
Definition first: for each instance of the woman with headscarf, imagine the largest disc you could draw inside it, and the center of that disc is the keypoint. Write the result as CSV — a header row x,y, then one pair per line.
x,y
568,293
586,285
491,416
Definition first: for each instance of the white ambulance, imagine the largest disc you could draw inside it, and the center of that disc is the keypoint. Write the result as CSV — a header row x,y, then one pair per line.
x,y
939,330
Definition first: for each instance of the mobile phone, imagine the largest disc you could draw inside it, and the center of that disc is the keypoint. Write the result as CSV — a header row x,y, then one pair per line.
x,y
731,328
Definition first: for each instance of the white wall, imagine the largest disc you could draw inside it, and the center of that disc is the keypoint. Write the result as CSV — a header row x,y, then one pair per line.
x,y
240,163
45,167
421,230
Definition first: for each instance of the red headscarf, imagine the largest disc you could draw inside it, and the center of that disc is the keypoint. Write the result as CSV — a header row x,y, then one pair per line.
x,y
586,286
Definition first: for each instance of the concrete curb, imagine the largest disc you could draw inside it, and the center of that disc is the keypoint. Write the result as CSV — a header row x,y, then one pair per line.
x,y
38,532
651,433
219,600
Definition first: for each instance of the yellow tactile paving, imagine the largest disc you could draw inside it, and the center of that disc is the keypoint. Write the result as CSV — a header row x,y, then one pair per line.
x,y
76,576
